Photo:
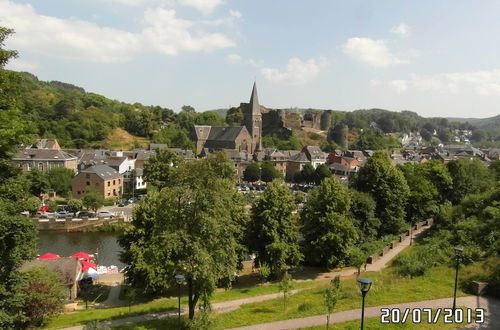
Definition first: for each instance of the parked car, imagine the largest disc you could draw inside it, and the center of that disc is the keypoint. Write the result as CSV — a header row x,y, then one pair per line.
x,y
86,214
64,214
105,214
123,203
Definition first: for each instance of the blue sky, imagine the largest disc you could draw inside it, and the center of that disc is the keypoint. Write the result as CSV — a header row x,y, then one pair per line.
x,y
437,58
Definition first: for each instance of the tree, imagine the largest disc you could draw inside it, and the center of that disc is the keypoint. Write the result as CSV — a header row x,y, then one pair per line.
x,y
328,230
273,232
307,173
188,109
74,205
357,258
363,212
468,177
194,228
422,201
38,180
321,172
60,179
495,169
252,172
332,295
269,172
158,170
388,187
286,286
92,200
43,295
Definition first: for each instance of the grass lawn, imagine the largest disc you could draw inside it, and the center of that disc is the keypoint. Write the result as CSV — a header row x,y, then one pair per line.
x,y
165,304
98,294
388,288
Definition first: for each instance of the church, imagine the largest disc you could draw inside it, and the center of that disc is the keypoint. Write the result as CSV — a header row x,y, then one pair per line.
x,y
242,138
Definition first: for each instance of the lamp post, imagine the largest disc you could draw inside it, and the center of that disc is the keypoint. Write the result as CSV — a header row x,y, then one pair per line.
x,y
458,252
364,286
179,279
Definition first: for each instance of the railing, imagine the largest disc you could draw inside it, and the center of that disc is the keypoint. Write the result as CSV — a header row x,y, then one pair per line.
x,y
74,224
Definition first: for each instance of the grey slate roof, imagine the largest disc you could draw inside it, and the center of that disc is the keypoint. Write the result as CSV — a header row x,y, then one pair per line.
x,y
43,154
224,133
103,171
68,269
299,157
202,132
154,146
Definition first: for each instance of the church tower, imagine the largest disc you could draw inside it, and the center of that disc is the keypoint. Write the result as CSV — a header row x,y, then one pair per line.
x,y
253,119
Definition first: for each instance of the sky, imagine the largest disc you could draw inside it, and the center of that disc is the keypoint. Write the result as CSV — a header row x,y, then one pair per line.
x,y
437,58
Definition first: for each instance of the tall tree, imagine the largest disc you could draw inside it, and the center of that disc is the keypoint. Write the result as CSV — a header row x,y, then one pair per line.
x,y
307,173
92,200
327,227
252,172
363,212
273,231
322,172
194,228
468,177
158,170
268,172
60,179
388,187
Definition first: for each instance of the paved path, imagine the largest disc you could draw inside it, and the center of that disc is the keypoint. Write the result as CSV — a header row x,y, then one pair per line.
x,y
492,306
381,262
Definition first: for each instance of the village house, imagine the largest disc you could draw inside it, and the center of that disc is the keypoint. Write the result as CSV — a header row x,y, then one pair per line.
x,y
102,178
69,271
44,159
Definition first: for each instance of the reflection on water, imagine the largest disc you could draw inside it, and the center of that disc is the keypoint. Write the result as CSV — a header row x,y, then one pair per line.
x,y
66,244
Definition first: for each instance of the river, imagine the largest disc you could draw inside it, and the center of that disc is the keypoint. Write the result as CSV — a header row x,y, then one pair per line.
x,y
66,244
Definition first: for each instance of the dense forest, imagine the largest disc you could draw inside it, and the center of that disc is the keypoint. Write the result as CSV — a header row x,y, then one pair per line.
x,y
80,119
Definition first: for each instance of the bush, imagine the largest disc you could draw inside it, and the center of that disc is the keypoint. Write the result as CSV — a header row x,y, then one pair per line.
x,y
305,307
264,272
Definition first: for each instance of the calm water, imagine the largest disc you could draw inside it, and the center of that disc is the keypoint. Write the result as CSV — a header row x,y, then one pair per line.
x,y
66,244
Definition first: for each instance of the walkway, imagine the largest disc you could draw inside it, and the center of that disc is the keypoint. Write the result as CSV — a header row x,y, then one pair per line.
x,y
492,320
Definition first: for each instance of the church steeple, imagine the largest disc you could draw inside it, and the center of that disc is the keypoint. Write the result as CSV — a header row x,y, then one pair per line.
x,y
253,119
254,101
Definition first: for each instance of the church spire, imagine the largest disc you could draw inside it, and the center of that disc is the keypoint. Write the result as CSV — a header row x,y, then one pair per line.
x,y
254,101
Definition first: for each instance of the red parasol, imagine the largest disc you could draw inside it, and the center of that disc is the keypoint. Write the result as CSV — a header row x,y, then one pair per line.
x,y
86,265
48,256
81,255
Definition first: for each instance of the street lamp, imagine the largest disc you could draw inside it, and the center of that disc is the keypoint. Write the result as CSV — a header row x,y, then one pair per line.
x,y
458,252
179,279
364,286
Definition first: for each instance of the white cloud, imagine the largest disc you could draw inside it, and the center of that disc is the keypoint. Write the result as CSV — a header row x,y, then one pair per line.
x,y
297,72
399,85
87,41
170,35
372,52
402,30
18,64
129,2
233,58
204,6
480,82
234,13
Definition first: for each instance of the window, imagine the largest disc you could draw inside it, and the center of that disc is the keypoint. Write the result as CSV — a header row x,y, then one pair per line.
x,y
88,183
119,181
29,166
78,192
109,183
40,166
114,182
109,194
